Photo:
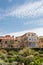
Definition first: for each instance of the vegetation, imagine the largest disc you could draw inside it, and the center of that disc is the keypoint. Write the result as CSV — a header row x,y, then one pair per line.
x,y
26,56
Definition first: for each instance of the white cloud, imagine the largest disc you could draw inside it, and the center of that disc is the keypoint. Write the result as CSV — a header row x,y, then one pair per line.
x,y
33,9
29,9
38,31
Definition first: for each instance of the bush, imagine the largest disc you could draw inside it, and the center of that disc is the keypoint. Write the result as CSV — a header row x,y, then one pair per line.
x,y
36,54
37,60
10,60
5,60
25,52
29,59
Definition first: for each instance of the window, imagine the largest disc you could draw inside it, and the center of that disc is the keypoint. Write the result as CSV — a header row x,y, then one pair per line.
x,y
28,34
16,40
0,40
5,42
30,43
29,39
33,34
0,43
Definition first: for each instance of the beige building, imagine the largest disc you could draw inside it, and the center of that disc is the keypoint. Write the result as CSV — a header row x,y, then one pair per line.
x,y
5,41
41,41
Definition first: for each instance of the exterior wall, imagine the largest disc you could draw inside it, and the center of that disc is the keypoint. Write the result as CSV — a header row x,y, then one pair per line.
x,y
5,41
32,40
26,40
41,42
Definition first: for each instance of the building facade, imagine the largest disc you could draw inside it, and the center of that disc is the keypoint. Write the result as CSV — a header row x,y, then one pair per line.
x,y
33,40
27,40
41,41
5,41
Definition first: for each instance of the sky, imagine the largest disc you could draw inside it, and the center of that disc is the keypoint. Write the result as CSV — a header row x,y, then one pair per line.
x,y
21,16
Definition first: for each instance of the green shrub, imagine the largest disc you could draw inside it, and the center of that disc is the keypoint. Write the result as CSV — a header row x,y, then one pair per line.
x,y
37,60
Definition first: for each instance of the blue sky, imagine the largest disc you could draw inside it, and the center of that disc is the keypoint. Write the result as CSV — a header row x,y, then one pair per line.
x,y
17,16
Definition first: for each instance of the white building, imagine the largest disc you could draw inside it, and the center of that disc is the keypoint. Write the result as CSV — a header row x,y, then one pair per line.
x,y
32,40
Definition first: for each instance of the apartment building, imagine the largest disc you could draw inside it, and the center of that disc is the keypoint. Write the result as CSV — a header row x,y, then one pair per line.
x,y
33,40
5,41
41,41
27,40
